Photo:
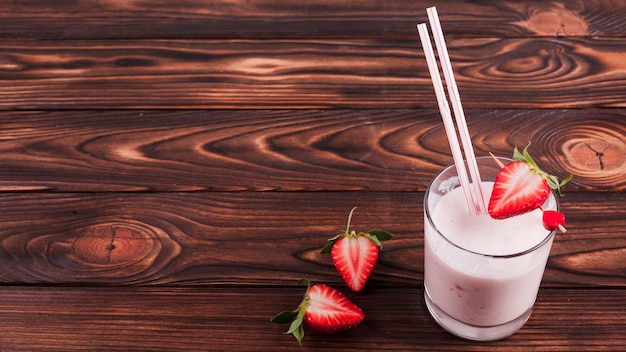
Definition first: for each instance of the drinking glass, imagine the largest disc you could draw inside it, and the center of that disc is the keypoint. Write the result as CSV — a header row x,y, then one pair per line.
x,y
473,294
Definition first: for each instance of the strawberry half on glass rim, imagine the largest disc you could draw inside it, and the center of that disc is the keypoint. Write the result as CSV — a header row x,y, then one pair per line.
x,y
521,186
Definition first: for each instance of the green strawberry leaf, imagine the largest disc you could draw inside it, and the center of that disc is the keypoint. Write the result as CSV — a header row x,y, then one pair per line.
x,y
331,242
285,317
517,156
372,238
297,328
377,236
566,180
304,282
295,325
380,234
299,334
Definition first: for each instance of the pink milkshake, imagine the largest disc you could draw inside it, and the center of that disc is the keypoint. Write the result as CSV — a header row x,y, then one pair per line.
x,y
481,275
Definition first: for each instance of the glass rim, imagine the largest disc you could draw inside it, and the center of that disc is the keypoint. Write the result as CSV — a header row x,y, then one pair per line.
x,y
428,218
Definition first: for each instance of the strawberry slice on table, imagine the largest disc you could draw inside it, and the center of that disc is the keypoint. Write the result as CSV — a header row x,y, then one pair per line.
x,y
323,310
355,254
521,186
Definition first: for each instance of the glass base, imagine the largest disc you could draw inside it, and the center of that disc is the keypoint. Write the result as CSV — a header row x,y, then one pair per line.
x,y
473,332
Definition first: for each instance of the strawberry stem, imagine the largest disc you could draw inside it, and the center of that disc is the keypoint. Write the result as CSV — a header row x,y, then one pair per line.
x,y
349,219
375,235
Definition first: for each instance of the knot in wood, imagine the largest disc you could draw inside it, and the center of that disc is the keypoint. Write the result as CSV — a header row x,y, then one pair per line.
x,y
115,244
555,20
601,160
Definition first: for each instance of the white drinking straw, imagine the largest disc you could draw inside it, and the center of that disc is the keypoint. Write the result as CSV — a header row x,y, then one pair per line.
x,y
459,115
444,109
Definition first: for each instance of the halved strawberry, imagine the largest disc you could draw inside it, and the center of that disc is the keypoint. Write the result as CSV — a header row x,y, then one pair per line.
x,y
323,310
521,187
355,254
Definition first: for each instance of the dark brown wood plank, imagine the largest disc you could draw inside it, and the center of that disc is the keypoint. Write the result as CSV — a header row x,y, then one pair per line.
x,y
225,319
260,238
292,150
50,19
506,73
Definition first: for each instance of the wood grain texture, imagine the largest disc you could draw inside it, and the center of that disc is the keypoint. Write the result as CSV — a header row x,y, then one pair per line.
x,y
168,170
212,319
263,238
350,73
292,150
267,19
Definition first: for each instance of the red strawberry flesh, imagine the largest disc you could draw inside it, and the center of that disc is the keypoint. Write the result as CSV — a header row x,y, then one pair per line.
x,y
323,310
329,311
354,257
517,190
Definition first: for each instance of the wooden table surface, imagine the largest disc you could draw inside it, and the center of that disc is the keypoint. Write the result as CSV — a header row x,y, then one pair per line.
x,y
169,170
